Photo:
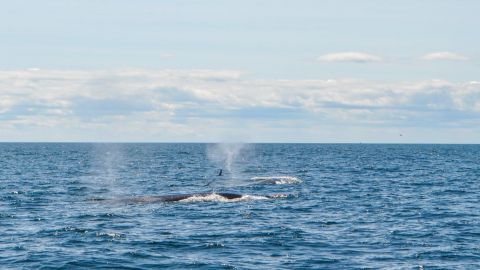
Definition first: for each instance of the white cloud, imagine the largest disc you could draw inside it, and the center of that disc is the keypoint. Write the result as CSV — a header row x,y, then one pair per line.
x,y
6,102
151,105
450,56
357,57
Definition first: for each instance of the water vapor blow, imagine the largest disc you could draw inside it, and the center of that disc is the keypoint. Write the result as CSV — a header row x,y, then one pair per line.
x,y
230,157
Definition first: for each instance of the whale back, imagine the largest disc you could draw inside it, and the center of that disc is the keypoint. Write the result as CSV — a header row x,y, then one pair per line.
x,y
170,198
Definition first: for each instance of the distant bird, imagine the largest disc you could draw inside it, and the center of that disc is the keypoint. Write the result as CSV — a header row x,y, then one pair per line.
x,y
220,172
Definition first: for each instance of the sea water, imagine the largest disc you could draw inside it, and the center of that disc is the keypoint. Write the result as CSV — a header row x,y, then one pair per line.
x,y
337,206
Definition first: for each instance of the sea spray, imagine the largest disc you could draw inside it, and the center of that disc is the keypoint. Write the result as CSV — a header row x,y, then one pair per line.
x,y
106,169
230,158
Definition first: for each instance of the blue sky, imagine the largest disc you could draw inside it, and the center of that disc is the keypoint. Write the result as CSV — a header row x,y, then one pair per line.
x,y
273,71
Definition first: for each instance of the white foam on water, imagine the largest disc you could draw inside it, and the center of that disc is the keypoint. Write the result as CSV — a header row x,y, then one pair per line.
x,y
214,197
277,180
109,234
278,196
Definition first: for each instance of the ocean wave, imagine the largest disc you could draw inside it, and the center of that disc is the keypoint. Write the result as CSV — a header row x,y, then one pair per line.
x,y
276,180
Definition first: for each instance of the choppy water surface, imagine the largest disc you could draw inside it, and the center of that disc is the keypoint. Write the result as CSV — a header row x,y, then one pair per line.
x,y
343,206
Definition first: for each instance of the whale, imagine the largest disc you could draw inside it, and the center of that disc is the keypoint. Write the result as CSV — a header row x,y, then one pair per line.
x,y
180,197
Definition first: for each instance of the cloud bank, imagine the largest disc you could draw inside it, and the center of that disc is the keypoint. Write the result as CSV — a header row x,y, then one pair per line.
x,y
197,105
447,56
357,57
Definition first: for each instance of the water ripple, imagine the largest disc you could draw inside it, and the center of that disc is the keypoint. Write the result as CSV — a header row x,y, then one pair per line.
x,y
347,207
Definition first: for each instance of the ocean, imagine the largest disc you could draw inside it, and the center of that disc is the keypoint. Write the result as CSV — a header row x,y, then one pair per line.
x,y
300,206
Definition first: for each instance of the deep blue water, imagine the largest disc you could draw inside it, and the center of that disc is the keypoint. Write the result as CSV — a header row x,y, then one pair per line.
x,y
354,206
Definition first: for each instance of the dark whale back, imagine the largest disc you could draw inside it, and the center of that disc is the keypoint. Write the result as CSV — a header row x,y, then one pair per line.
x,y
179,197
170,198
230,196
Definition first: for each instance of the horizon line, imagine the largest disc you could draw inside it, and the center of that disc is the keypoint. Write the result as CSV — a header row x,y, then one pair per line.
x,y
205,142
